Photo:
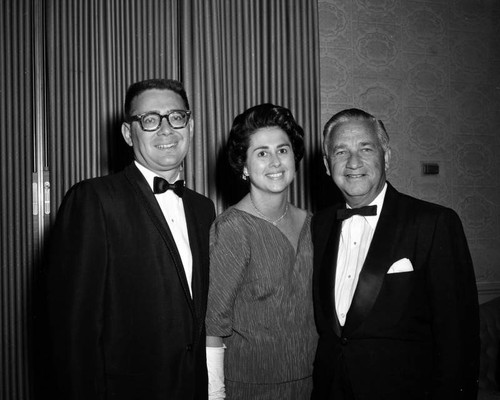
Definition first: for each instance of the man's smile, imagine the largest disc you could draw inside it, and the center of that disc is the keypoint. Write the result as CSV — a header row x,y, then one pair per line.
x,y
166,146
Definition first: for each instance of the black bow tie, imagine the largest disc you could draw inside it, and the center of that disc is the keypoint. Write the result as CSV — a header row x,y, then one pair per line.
x,y
345,213
161,185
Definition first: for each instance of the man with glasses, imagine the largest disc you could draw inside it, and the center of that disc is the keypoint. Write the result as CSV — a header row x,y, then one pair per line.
x,y
128,265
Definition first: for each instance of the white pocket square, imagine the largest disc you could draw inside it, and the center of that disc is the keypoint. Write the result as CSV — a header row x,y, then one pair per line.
x,y
403,265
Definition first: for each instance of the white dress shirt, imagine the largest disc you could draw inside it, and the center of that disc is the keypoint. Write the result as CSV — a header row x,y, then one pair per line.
x,y
173,209
355,238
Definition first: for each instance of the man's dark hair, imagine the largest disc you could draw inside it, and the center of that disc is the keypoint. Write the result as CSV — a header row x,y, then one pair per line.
x,y
137,88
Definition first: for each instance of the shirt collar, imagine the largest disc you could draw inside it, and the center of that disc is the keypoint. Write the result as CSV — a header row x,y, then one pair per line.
x,y
150,175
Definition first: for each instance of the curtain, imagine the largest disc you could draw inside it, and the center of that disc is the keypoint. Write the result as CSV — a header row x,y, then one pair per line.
x,y
239,53
17,253
65,70
94,51
230,55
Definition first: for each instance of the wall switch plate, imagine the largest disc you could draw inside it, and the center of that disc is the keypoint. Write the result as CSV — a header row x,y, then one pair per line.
x,y
430,168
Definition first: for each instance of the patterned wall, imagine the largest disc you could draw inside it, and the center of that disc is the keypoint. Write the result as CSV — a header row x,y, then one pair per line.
x,y
431,71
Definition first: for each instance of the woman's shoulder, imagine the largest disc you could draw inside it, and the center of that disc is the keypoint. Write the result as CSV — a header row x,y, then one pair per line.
x,y
232,217
233,229
230,214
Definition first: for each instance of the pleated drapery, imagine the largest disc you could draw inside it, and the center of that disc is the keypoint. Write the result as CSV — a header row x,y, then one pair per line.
x,y
239,53
95,49
17,140
230,54
65,68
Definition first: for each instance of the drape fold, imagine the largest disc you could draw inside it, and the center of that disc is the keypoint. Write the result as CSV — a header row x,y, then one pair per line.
x,y
66,67
239,53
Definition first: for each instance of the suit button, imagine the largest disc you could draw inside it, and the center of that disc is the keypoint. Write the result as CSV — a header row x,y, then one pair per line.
x,y
189,347
343,341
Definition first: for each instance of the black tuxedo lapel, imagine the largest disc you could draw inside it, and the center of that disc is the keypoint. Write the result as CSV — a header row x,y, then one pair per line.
x,y
147,199
199,280
328,246
377,262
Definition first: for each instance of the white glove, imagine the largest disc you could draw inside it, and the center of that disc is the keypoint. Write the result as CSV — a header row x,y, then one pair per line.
x,y
215,367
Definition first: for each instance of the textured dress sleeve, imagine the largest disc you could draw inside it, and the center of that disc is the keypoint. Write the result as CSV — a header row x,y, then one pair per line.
x,y
229,257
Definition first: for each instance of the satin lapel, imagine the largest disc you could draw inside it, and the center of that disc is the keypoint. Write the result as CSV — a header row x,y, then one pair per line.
x,y
377,263
148,200
199,281
330,228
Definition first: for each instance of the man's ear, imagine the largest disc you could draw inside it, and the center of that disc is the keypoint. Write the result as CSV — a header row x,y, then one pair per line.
x,y
127,135
327,166
191,129
387,158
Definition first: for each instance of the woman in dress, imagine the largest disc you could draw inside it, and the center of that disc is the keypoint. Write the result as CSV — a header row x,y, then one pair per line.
x,y
260,324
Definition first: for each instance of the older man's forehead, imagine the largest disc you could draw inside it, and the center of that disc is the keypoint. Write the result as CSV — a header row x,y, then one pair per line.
x,y
355,128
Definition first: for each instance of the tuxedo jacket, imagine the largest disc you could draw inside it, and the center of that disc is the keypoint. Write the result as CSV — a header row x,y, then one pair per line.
x,y
408,335
122,321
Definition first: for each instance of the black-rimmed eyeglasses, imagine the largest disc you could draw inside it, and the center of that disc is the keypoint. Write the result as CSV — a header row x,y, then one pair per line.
x,y
151,121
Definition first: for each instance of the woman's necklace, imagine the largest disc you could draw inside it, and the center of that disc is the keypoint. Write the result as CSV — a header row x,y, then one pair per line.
x,y
264,217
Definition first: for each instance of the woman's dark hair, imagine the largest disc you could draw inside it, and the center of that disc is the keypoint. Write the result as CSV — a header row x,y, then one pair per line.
x,y
257,117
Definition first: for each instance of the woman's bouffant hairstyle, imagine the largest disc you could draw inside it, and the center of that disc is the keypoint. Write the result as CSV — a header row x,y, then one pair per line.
x,y
262,116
